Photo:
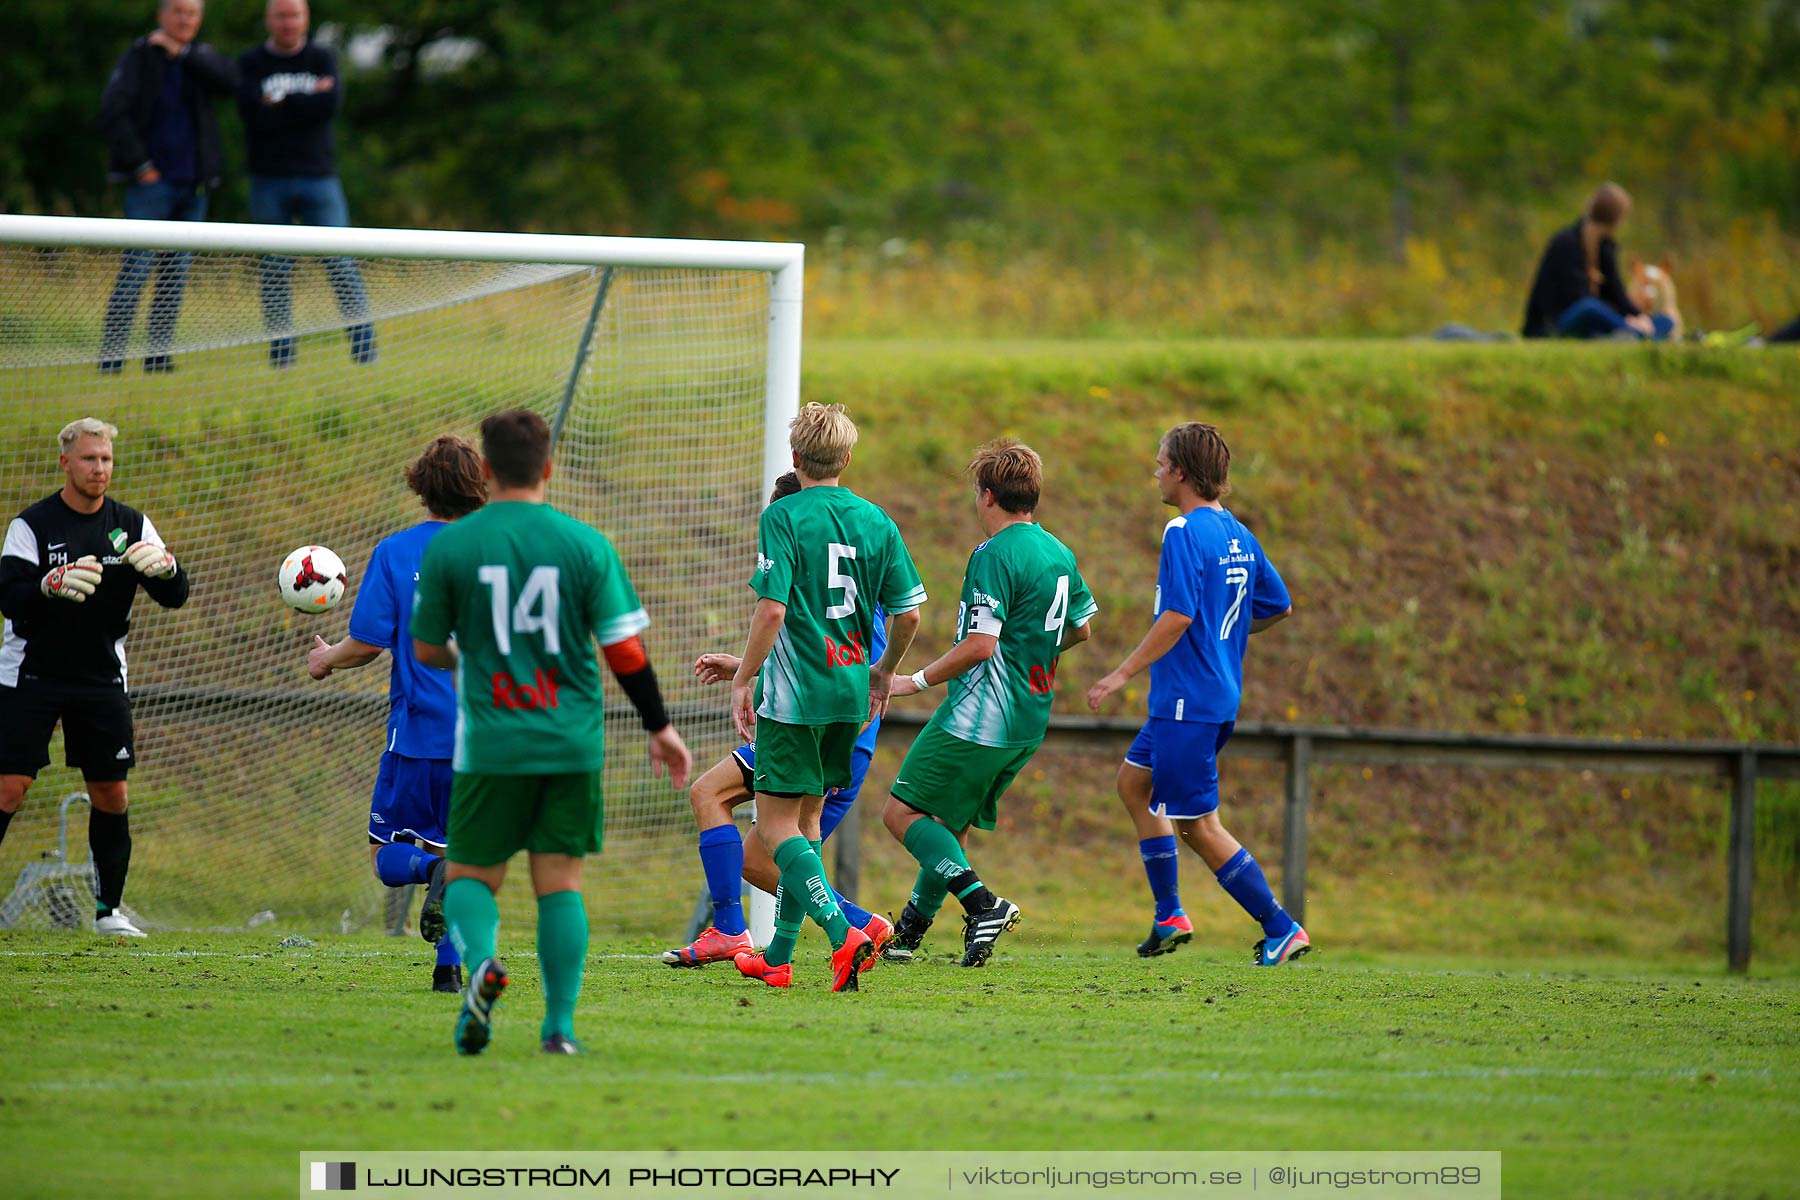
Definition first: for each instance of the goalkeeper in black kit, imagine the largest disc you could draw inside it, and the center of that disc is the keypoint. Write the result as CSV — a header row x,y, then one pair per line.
x,y
70,567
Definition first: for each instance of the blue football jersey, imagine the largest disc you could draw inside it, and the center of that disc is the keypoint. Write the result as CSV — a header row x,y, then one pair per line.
x,y
421,699
877,648
1212,570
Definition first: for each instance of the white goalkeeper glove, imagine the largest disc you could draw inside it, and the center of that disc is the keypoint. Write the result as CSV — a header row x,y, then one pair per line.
x,y
151,559
72,581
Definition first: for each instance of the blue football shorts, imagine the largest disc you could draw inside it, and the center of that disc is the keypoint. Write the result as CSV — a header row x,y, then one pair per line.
x,y
411,802
837,800
1183,760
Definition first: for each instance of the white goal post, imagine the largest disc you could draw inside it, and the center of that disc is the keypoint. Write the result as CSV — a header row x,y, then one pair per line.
x,y
676,364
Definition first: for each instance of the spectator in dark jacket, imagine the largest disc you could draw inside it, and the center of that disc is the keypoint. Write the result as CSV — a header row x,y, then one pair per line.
x,y
1578,291
289,94
163,136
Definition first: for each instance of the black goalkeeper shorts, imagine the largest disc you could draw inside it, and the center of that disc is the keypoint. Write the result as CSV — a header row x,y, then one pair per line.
x,y
96,721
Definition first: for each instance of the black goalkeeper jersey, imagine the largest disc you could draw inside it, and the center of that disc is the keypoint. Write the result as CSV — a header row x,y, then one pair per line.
x,y
52,640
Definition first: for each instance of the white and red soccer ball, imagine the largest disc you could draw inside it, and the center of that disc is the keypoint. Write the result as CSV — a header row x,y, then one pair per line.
x,y
312,580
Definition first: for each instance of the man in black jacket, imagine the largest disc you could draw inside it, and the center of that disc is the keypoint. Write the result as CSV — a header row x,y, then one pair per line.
x,y
288,95
163,136
70,567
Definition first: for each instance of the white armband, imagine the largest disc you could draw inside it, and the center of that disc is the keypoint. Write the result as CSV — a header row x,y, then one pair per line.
x,y
918,678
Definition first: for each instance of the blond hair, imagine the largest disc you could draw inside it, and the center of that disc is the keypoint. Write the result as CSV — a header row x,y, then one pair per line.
x,y
1012,471
822,437
84,427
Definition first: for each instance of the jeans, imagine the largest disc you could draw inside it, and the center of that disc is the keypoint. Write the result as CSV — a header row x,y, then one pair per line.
x,y
160,201
1591,317
308,200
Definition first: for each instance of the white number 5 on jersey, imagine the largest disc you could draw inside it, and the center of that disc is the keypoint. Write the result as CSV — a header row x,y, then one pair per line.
x,y
839,552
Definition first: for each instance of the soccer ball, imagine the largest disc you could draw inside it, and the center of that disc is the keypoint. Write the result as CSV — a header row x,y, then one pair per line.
x,y
312,580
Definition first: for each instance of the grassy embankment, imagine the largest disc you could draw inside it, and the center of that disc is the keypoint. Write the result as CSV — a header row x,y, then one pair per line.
x,y
1599,540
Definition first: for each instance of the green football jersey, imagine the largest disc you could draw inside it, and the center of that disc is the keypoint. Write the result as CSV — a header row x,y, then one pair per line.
x,y
1021,586
831,557
526,591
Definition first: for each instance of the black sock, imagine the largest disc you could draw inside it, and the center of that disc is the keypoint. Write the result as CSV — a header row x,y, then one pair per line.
x,y
109,838
968,888
5,820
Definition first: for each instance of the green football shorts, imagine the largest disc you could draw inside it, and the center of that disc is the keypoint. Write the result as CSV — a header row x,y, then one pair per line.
x,y
803,760
493,817
955,781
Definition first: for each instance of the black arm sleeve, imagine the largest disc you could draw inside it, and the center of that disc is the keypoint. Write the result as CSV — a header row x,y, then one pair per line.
x,y
216,73
20,596
115,111
171,592
646,697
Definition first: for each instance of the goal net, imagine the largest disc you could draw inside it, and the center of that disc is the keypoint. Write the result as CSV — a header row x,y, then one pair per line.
x,y
310,367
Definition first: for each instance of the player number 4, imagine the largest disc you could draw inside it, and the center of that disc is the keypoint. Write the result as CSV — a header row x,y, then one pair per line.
x,y
536,611
1059,608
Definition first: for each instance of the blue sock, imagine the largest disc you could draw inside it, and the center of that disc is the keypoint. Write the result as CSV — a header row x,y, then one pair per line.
x,y
853,914
1163,866
722,857
447,955
1244,881
401,863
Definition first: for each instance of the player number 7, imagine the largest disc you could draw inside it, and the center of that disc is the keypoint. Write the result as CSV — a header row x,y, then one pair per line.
x,y
1239,578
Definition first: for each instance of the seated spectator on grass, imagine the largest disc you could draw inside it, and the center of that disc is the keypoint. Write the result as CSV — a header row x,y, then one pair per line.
x,y
1578,291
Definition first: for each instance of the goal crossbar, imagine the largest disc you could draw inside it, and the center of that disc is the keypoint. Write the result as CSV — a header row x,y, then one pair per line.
x,y
784,262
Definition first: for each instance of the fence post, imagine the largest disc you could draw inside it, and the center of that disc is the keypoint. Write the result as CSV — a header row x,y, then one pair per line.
x,y
1741,863
1293,834
847,837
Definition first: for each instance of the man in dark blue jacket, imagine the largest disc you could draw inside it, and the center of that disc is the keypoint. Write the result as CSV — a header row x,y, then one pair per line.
x,y
163,138
288,95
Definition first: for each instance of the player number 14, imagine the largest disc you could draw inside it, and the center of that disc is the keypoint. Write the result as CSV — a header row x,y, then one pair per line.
x,y
537,609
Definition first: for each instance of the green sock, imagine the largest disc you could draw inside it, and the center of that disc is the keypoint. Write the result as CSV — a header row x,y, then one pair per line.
x,y
928,893
803,875
937,851
474,919
790,915
562,957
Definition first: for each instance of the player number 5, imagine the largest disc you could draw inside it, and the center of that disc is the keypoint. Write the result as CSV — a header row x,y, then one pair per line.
x,y
536,612
839,552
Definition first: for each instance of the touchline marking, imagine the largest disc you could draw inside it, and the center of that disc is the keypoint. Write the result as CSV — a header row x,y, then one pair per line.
x,y
882,1078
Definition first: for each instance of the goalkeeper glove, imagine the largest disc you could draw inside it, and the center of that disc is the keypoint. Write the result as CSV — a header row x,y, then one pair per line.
x,y
72,581
151,559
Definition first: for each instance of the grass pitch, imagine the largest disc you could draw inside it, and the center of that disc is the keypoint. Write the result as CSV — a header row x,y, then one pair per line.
x,y
198,1065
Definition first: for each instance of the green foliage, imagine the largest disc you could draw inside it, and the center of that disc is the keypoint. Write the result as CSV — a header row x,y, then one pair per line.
x,y
1080,128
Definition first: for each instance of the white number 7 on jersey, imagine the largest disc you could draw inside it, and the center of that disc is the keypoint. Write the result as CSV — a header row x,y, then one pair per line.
x,y
1239,578
540,592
